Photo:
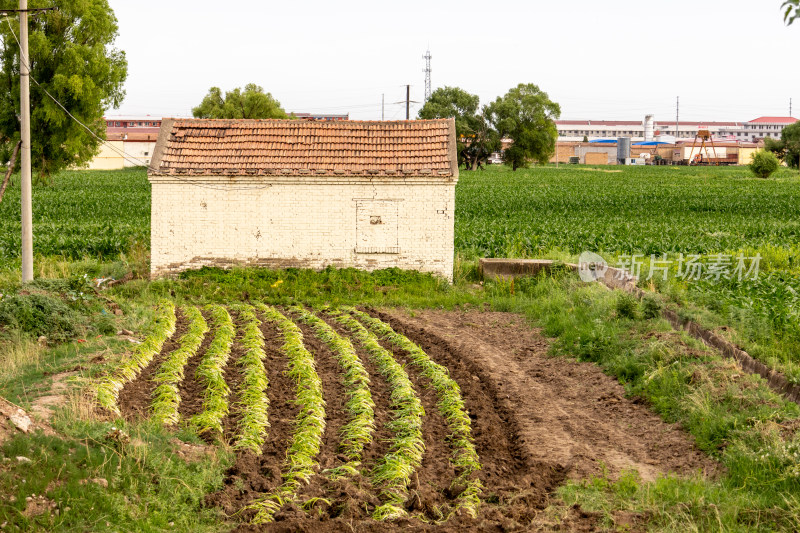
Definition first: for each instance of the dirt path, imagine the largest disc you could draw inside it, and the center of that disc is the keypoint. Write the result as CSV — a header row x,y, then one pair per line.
x,y
565,412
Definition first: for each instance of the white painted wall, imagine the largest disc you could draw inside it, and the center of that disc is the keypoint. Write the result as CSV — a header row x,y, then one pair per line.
x,y
303,221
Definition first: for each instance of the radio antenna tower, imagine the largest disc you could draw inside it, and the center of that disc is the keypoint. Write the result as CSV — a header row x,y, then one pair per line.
x,y
427,58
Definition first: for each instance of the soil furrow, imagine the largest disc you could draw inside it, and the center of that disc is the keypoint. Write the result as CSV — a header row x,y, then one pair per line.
x,y
381,395
431,482
252,476
506,467
333,392
567,413
233,377
190,389
136,396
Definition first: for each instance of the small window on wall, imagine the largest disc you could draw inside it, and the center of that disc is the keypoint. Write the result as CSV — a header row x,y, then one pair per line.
x,y
377,223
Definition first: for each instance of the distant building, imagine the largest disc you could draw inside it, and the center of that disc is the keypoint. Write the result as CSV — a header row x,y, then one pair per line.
x,y
321,116
752,131
130,141
576,130
763,127
131,122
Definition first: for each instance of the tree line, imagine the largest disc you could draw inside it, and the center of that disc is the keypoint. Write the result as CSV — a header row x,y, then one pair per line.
x,y
525,115
74,58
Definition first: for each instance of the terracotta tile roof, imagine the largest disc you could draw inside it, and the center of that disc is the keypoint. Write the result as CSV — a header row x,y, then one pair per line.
x,y
293,147
773,120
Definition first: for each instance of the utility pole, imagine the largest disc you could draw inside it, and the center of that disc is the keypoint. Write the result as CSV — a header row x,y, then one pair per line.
x,y
383,103
408,102
677,118
25,133
790,107
427,58
25,136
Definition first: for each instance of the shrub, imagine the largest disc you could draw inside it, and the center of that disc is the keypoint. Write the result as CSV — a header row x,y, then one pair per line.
x,y
626,306
651,306
39,314
764,164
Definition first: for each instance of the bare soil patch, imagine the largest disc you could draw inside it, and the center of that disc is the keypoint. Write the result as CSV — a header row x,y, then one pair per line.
x,y
567,413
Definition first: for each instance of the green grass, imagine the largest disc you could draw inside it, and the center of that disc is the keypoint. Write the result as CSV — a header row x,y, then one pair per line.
x,y
149,488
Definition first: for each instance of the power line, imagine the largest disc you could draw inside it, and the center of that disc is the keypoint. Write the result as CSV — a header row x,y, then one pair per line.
x,y
122,153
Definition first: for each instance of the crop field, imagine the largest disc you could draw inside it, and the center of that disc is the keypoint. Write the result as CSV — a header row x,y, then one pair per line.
x,y
315,433
97,214
625,210
341,400
618,212
343,418
542,212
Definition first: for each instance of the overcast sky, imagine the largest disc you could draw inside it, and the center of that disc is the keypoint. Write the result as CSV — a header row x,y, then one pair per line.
x,y
619,59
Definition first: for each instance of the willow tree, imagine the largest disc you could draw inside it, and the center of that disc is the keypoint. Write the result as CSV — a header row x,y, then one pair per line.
x,y
475,139
526,115
252,102
73,58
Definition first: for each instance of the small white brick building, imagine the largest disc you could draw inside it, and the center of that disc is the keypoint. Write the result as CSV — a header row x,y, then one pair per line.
x,y
288,193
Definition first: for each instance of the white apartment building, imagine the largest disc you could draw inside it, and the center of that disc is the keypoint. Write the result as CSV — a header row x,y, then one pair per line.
x,y
751,131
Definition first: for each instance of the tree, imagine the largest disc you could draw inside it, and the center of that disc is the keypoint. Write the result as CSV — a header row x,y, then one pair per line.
x,y
72,56
526,115
476,140
763,164
787,149
252,102
792,11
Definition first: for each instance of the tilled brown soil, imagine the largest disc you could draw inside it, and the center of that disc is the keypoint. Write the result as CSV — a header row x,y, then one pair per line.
x,y
135,397
536,420
566,413
253,475
190,390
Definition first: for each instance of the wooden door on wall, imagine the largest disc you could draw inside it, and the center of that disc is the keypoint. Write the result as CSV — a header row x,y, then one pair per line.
x,y
377,226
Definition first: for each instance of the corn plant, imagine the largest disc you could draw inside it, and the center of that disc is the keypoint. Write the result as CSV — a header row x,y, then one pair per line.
x,y
450,404
211,373
253,397
357,432
394,470
301,463
166,397
110,385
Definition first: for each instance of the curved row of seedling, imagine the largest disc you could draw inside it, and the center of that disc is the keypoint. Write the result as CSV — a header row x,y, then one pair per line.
x,y
252,396
357,432
394,470
163,328
166,397
451,406
211,373
301,463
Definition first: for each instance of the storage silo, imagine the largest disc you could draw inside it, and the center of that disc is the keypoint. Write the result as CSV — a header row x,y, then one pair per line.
x,y
648,128
623,149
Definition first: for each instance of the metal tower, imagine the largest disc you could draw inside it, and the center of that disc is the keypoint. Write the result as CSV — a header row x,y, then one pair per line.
x,y
427,58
